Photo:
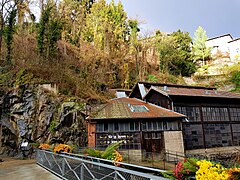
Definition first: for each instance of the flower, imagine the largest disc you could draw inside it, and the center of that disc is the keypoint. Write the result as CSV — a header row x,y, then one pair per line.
x,y
234,173
117,158
178,171
209,170
44,146
62,147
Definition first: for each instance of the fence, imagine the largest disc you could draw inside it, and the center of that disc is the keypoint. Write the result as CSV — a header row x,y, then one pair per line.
x,y
165,160
71,166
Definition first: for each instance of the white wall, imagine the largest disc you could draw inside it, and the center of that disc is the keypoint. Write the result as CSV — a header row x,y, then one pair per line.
x,y
234,49
220,44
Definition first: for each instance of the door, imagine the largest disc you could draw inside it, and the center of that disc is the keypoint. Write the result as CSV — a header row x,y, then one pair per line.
x,y
153,142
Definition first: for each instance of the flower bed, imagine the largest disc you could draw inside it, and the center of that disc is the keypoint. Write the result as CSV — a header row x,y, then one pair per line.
x,y
202,170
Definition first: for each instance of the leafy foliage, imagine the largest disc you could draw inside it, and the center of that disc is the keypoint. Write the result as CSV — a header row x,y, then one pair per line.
x,y
235,78
8,34
49,32
110,149
109,153
175,54
200,51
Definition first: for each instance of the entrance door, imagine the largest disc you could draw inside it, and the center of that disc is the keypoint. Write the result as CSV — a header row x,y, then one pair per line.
x,y
153,142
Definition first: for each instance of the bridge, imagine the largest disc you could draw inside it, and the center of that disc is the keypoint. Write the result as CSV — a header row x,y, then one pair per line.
x,y
16,169
72,166
78,167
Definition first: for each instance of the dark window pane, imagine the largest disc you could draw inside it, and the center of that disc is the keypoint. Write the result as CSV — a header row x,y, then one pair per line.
x,y
154,125
127,126
110,127
105,126
149,125
136,126
99,127
132,126
116,127
165,126
160,125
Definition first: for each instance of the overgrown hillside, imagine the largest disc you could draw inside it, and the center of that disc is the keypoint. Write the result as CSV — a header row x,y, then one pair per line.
x,y
88,46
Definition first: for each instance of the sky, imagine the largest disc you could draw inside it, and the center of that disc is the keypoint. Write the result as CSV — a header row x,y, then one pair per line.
x,y
217,17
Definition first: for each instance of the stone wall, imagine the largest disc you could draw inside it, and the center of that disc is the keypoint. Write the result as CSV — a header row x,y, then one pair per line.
x,y
132,155
173,142
32,113
213,151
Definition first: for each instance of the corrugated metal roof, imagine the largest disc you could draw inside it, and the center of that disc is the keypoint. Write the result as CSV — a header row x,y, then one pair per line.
x,y
183,91
121,108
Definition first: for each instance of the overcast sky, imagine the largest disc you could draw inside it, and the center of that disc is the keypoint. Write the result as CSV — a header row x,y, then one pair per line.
x,y
217,17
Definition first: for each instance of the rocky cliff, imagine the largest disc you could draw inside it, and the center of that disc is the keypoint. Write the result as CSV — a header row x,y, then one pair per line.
x,y
37,114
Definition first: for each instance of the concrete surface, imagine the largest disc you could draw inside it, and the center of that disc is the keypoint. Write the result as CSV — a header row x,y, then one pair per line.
x,y
15,169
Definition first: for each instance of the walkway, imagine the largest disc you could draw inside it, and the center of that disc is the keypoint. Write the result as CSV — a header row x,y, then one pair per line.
x,y
15,169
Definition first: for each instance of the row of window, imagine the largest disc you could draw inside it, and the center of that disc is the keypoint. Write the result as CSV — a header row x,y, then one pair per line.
x,y
129,140
135,126
209,113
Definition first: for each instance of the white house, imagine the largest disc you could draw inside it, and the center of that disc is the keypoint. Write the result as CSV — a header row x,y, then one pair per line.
x,y
234,49
219,43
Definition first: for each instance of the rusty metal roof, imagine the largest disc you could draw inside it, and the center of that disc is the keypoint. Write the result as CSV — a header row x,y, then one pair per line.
x,y
183,91
123,108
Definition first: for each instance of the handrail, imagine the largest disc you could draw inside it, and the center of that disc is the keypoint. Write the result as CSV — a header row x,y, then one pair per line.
x,y
133,166
80,166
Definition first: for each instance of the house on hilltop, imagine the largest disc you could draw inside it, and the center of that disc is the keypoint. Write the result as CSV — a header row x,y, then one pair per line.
x,y
225,45
234,49
219,43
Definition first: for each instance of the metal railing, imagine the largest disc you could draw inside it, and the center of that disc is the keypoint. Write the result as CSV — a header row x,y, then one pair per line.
x,y
69,166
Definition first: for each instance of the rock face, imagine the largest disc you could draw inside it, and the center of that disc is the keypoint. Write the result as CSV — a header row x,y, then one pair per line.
x,y
38,115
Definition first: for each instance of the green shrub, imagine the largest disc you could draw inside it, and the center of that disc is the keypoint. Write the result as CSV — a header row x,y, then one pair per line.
x,y
235,78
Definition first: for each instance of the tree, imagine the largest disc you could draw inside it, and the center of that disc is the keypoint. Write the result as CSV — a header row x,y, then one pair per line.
x,y
74,13
49,31
199,49
175,54
167,54
9,31
6,7
185,63
135,45
106,25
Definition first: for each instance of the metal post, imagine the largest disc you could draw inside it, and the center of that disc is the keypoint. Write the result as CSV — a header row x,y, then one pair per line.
x,y
63,167
82,173
115,176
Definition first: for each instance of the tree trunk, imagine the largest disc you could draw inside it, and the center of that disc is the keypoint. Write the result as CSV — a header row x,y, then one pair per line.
x,y
1,32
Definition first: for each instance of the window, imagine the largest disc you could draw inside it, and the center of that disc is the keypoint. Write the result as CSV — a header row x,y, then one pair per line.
x,y
130,140
193,113
131,126
215,114
138,108
160,125
235,114
105,125
116,127
99,127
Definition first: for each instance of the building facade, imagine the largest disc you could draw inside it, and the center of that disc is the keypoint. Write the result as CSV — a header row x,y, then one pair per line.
x,y
139,125
213,116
